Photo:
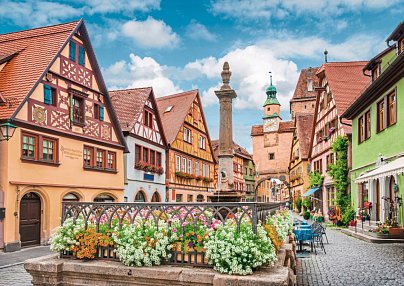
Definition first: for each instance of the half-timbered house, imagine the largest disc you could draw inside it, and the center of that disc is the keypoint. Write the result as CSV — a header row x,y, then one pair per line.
x,y
190,160
67,144
339,84
141,125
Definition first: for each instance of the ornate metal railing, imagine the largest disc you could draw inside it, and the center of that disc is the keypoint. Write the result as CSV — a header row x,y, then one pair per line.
x,y
116,214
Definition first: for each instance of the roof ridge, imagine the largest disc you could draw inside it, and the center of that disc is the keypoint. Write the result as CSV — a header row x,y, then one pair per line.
x,y
36,35
176,94
134,88
346,62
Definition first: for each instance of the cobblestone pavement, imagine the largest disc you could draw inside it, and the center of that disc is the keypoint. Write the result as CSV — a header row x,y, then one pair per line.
x,y
14,276
350,261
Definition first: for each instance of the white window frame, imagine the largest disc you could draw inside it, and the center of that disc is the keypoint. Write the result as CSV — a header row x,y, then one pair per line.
x,y
187,135
189,166
184,165
196,168
177,163
202,142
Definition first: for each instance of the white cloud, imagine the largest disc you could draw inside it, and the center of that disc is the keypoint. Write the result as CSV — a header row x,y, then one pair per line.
x,y
197,31
113,6
266,9
37,13
140,72
150,33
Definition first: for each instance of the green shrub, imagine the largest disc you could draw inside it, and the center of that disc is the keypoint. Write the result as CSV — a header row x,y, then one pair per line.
x,y
299,204
306,203
306,215
348,215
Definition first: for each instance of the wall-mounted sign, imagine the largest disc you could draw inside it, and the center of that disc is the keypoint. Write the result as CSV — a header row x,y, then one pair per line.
x,y
71,153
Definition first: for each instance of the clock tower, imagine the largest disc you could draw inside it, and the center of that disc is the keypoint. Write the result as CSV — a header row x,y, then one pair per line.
x,y
272,108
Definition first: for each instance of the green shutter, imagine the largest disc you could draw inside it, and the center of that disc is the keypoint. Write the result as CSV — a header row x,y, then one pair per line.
x,y
72,51
47,92
81,55
101,112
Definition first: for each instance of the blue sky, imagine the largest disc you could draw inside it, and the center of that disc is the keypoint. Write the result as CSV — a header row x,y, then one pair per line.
x,y
176,45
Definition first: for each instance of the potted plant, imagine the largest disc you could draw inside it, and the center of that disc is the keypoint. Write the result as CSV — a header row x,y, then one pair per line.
x,y
306,215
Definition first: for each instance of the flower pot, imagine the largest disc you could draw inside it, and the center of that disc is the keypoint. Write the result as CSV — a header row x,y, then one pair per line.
x,y
396,231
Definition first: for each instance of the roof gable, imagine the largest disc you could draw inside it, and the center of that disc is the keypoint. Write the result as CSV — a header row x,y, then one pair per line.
x,y
301,85
304,125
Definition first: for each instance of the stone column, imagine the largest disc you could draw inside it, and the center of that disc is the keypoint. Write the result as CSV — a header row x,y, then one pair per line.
x,y
226,94
383,206
372,198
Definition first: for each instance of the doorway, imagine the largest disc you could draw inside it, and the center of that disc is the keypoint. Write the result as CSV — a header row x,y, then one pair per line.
x,y
30,220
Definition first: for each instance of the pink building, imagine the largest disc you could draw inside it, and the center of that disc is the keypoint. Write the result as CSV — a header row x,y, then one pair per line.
x,y
339,84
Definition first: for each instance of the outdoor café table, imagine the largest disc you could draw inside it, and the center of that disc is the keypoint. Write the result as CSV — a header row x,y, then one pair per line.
x,y
301,234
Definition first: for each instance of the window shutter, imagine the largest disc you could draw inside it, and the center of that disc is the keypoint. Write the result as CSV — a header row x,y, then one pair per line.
x,y
81,55
102,112
72,52
47,94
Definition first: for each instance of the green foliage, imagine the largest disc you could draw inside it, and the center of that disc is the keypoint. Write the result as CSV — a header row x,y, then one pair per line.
x,y
306,215
315,179
306,203
348,215
299,204
339,172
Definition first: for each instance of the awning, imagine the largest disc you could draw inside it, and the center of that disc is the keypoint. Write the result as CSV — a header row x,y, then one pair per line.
x,y
310,192
395,167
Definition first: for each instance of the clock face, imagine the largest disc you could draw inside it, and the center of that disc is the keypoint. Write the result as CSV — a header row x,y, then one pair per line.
x,y
270,124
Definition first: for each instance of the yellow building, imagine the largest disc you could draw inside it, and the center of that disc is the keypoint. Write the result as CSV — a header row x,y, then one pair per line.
x,y
299,165
67,144
190,161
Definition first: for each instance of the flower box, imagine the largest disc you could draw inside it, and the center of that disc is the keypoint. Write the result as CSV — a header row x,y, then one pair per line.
x,y
397,231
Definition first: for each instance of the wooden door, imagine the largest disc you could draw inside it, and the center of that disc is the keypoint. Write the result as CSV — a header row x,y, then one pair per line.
x,y
377,200
30,220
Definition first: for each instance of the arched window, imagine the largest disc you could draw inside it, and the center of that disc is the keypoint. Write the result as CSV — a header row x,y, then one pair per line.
x,y
140,197
156,198
71,197
199,198
104,198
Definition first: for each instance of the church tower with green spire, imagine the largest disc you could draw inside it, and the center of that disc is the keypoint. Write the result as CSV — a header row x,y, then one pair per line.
x,y
272,109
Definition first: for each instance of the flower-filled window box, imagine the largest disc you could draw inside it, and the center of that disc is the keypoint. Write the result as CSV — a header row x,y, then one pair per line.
x,y
185,175
207,180
144,166
198,178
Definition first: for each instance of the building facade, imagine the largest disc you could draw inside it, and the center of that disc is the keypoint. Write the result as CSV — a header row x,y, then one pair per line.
x,y
299,166
190,161
272,142
377,128
339,84
145,179
304,97
243,170
67,145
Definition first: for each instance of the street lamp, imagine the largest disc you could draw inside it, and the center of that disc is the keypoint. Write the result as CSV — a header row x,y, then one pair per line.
x,y
7,131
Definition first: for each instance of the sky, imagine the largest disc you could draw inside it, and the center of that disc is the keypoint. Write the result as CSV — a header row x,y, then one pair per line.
x,y
178,45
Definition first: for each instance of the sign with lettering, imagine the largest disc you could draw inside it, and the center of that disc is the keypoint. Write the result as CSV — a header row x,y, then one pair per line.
x,y
71,153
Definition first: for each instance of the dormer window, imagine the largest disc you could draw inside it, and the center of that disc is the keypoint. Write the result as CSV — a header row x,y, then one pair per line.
x,y
376,72
309,84
76,53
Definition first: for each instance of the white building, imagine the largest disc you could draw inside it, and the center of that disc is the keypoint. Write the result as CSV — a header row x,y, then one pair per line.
x,y
145,173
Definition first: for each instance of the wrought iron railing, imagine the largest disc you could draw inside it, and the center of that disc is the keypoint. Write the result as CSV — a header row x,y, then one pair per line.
x,y
116,214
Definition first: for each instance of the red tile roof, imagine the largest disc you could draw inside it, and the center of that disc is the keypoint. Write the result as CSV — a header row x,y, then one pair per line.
x,y
129,104
346,81
301,86
304,127
238,150
33,50
284,126
173,120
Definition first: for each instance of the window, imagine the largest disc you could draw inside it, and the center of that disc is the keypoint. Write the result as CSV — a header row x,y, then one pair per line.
x,y
88,156
309,84
178,198
392,103
152,157
140,197
196,168
245,170
72,51
50,95
367,125
82,57
251,172
199,198
100,158
39,148
138,152
189,166
184,165
78,110
48,150
271,156
111,162
104,160
202,142
205,170
145,152
148,119
99,112
104,198
190,198
187,135
381,125
158,159
177,163
77,53
364,127
361,127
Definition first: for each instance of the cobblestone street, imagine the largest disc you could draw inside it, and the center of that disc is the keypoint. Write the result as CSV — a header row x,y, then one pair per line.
x,y
14,276
350,261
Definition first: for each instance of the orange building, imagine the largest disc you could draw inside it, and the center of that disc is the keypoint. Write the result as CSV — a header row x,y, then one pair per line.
x,y
190,160
67,144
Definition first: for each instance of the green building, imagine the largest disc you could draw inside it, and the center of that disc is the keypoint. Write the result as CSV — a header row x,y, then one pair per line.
x,y
377,116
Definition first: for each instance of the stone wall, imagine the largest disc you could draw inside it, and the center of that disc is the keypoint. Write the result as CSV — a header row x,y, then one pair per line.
x,y
51,270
